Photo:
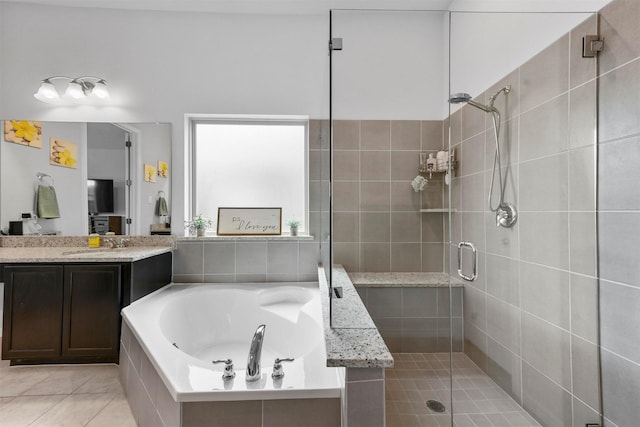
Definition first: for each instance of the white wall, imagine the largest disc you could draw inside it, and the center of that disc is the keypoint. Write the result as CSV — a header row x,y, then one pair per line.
x,y
390,65
19,165
156,145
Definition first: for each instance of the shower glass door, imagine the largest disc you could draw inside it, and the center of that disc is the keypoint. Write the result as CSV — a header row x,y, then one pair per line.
x,y
530,354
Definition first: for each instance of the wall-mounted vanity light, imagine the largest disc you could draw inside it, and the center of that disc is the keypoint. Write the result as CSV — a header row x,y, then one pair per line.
x,y
78,88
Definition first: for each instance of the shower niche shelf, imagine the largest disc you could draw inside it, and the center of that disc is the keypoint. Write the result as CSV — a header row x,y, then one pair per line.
x,y
437,210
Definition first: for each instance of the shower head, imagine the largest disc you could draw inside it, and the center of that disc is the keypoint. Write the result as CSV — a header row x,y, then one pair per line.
x,y
461,98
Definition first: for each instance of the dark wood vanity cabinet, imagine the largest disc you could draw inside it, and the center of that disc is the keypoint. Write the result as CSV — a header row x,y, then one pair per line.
x,y
70,313
62,312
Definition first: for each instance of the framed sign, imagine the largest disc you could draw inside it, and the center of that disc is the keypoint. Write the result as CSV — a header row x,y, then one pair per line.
x,y
249,221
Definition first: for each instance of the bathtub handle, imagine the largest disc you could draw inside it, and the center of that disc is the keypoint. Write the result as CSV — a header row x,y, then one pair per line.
x,y
278,372
228,373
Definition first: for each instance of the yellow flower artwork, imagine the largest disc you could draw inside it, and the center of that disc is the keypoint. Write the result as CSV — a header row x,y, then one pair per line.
x,y
163,169
23,132
149,173
63,153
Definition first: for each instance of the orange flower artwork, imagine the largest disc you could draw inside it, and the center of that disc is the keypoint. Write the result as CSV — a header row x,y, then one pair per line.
x,y
63,153
23,132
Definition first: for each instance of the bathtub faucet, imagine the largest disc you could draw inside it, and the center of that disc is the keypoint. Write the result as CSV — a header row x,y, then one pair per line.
x,y
255,353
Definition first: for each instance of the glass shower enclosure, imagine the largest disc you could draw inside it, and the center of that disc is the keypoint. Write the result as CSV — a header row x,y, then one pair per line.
x,y
491,304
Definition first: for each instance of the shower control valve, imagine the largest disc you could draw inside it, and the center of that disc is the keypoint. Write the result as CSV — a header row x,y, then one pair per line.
x,y
278,372
228,373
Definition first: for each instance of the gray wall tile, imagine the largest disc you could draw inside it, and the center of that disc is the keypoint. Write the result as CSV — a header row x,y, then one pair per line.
x,y
581,69
375,257
586,375
618,175
246,413
384,302
375,227
547,349
219,257
537,85
346,196
282,257
469,153
375,135
584,305
504,369
405,226
346,165
405,134
619,309
545,183
621,389
582,180
503,324
619,103
473,120
582,115
346,134
251,257
404,165
366,404
419,302
546,292
503,278
549,404
618,21
432,135
544,238
406,257
583,242
375,165
375,196
539,141
618,235
403,198
432,257
188,258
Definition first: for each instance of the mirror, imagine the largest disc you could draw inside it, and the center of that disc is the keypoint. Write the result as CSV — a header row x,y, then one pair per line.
x,y
66,156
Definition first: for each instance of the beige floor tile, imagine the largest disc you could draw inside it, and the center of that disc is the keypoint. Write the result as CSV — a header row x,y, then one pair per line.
x,y
23,410
75,410
16,380
61,380
5,400
116,413
105,380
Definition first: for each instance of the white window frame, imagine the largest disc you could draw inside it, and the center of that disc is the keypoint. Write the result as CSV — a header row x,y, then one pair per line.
x,y
192,120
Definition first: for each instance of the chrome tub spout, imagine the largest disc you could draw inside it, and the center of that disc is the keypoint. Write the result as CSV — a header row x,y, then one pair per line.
x,y
255,353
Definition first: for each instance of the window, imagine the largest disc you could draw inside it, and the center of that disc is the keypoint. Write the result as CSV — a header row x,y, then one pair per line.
x,y
250,162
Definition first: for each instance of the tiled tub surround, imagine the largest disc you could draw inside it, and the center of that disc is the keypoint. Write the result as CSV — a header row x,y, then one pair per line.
x,y
530,319
355,343
377,223
414,312
246,259
153,404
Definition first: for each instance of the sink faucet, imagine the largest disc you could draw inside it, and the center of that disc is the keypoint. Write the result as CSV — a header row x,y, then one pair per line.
x,y
255,353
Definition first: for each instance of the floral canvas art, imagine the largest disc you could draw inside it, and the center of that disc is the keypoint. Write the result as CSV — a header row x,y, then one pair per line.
x,y
163,169
63,153
149,173
23,132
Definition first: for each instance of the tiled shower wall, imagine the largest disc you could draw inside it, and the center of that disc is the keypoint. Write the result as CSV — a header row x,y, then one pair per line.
x,y
377,223
619,211
531,317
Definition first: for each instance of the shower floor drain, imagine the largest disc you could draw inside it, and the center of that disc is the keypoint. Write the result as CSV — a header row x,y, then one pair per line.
x,y
435,406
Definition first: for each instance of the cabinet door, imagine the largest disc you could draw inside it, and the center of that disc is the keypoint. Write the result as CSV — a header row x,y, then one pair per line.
x,y
32,311
91,320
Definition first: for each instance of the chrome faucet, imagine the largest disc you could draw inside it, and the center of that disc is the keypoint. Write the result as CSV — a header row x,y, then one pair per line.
x,y
255,353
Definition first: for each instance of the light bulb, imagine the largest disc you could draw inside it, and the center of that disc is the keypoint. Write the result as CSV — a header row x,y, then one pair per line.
x,y
100,90
74,90
46,91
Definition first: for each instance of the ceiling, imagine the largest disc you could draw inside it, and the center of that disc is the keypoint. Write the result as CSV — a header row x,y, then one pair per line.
x,y
321,6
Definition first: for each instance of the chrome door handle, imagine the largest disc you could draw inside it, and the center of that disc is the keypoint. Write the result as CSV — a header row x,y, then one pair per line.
x,y
474,275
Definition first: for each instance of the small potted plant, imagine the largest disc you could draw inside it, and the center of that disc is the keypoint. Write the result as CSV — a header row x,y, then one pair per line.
x,y
198,224
293,226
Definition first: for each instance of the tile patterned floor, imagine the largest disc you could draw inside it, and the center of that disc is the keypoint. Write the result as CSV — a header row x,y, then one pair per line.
x,y
477,400
62,395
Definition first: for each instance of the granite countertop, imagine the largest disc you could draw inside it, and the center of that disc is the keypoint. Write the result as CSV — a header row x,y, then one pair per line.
x,y
14,255
406,280
354,341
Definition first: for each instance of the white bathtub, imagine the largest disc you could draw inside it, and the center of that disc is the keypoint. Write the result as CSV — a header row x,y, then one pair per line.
x,y
213,321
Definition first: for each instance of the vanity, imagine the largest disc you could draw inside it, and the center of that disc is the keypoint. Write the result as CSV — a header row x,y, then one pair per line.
x,y
62,303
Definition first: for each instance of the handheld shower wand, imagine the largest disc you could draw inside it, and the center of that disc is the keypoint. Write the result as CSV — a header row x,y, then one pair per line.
x,y
506,214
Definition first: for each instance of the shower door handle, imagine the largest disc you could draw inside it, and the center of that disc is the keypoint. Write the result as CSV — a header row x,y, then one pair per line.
x,y
474,274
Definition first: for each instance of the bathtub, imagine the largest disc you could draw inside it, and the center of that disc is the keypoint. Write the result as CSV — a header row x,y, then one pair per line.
x,y
180,329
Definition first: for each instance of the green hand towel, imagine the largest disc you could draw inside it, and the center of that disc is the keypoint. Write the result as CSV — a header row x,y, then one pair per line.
x,y
47,202
161,207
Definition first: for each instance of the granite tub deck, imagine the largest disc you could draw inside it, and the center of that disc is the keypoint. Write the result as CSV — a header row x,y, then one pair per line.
x,y
414,312
355,344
